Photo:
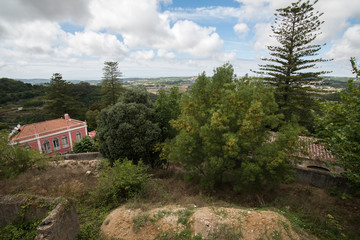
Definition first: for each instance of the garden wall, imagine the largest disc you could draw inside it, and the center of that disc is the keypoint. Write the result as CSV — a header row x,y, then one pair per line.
x,y
60,224
318,178
82,156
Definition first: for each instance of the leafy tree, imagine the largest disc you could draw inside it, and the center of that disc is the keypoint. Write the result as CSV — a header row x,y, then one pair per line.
x,y
85,93
168,108
60,99
295,29
13,90
129,128
91,119
86,144
338,126
111,83
224,133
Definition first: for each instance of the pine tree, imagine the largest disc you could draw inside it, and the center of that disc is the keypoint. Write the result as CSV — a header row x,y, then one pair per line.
x,y
111,83
60,99
296,27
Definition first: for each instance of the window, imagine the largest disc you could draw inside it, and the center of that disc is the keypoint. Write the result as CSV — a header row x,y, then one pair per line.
x,y
56,144
78,136
47,147
64,141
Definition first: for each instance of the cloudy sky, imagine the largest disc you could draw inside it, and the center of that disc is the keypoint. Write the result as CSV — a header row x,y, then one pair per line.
x,y
156,38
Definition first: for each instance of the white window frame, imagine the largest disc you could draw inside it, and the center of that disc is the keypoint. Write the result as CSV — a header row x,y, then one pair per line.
x,y
64,141
56,144
78,138
45,144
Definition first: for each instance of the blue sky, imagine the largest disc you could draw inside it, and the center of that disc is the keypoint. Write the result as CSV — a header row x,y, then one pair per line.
x,y
157,38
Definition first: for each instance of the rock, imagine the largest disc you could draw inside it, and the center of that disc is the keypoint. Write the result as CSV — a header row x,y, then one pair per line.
x,y
88,173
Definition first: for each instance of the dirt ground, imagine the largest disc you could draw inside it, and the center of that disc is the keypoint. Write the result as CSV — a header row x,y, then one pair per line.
x,y
64,178
210,212
205,221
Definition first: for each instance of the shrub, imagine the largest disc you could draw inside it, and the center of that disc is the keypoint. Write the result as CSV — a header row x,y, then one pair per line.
x,y
120,181
17,159
86,144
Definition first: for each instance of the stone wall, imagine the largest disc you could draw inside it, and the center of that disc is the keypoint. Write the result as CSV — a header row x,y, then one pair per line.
x,y
82,156
318,178
61,223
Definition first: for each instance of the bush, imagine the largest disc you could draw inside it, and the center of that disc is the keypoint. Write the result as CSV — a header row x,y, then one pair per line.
x,y
86,144
17,159
119,182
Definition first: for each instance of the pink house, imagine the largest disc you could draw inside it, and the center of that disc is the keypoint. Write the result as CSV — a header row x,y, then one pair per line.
x,y
58,135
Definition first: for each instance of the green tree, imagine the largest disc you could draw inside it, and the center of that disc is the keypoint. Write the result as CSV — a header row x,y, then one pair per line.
x,y
60,99
224,133
168,108
91,119
295,29
129,128
86,144
111,83
338,126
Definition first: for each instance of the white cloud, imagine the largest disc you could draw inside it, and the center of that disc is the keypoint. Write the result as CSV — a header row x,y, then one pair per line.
x,y
188,37
241,29
25,10
93,44
141,25
143,55
165,54
35,38
346,47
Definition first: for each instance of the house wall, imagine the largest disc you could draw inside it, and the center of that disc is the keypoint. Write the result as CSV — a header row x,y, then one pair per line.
x,y
34,143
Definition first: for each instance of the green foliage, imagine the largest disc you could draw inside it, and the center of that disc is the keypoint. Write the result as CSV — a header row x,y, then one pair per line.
x,y
224,132
33,103
338,126
17,159
117,183
19,230
111,84
168,108
296,27
61,99
140,221
13,90
86,144
129,128
91,119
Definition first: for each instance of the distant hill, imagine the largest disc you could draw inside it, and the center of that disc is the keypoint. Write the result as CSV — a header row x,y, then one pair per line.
x,y
13,90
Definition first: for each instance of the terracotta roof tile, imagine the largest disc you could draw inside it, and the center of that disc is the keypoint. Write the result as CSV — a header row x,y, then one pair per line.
x,y
45,127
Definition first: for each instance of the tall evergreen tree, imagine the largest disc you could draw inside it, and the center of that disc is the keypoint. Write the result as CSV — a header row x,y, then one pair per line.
x,y
111,83
60,99
295,29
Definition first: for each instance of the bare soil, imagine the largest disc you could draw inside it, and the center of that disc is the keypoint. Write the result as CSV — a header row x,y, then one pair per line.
x,y
206,221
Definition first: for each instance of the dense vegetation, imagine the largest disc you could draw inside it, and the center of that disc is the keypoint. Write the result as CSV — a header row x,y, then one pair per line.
x,y
224,134
12,90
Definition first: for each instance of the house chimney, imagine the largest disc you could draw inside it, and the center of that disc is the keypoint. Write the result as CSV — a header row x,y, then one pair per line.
x,y
67,117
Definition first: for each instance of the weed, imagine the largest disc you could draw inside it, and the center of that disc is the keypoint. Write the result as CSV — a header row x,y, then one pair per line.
x,y
184,216
220,212
183,235
160,215
140,221
19,230
225,231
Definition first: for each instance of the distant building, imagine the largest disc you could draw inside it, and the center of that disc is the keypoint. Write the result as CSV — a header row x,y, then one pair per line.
x,y
58,135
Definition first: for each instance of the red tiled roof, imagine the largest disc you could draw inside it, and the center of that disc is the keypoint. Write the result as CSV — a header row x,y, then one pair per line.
x,y
46,127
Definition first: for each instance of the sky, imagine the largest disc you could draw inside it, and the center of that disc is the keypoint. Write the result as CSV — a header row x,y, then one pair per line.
x,y
158,38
